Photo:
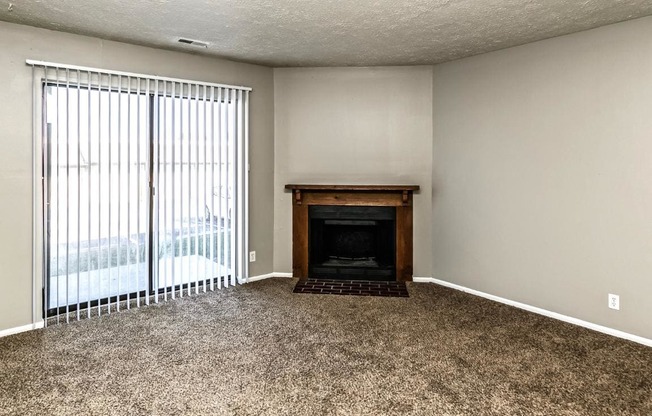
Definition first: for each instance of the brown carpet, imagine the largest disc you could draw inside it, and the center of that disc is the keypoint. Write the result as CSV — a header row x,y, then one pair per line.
x,y
262,350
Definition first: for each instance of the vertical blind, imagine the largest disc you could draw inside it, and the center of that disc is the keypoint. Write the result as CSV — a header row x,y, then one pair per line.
x,y
145,186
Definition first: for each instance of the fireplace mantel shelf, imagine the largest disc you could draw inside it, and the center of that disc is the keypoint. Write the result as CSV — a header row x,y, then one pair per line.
x,y
369,190
361,188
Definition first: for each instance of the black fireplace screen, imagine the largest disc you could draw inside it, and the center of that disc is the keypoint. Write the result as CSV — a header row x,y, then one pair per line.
x,y
352,242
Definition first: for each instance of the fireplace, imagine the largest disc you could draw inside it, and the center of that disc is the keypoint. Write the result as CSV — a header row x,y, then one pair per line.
x,y
352,243
361,232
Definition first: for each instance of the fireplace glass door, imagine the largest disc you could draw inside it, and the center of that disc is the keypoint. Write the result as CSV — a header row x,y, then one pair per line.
x,y
352,243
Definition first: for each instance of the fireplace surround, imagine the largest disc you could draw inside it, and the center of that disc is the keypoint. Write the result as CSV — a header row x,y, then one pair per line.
x,y
368,231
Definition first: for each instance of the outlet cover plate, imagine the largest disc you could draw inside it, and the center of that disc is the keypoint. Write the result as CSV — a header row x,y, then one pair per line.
x,y
614,301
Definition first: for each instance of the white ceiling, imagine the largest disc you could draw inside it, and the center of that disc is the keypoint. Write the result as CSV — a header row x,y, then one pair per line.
x,y
326,32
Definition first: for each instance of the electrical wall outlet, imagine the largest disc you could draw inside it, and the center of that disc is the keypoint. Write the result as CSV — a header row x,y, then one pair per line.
x,y
252,256
614,302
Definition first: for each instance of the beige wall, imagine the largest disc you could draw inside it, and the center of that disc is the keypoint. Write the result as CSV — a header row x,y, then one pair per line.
x,y
18,43
543,174
353,126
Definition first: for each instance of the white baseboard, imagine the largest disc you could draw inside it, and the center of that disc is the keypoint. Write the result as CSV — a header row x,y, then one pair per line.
x,y
19,329
540,311
268,276
260,277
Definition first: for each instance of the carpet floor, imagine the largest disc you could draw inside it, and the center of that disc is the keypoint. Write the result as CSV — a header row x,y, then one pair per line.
x,y
260,349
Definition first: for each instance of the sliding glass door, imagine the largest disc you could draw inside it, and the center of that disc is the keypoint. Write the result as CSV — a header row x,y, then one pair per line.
x,y
97,162
195,187
144,190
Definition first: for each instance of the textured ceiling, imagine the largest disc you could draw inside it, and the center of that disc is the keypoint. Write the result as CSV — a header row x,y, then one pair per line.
x,y
326,32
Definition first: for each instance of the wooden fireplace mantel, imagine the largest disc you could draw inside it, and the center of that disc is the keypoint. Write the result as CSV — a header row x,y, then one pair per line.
x,y
342,193
399,196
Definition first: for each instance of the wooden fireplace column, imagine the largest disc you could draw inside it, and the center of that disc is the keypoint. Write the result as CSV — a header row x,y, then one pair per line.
x,y
399,196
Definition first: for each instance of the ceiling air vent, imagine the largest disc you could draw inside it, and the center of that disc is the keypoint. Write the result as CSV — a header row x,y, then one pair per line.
x,y
197,43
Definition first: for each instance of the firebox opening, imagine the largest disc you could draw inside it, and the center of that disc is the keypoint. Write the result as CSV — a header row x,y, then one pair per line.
x,y
352,242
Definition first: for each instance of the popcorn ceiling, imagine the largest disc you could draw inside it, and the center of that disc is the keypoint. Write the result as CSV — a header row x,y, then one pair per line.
x,y
327,32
